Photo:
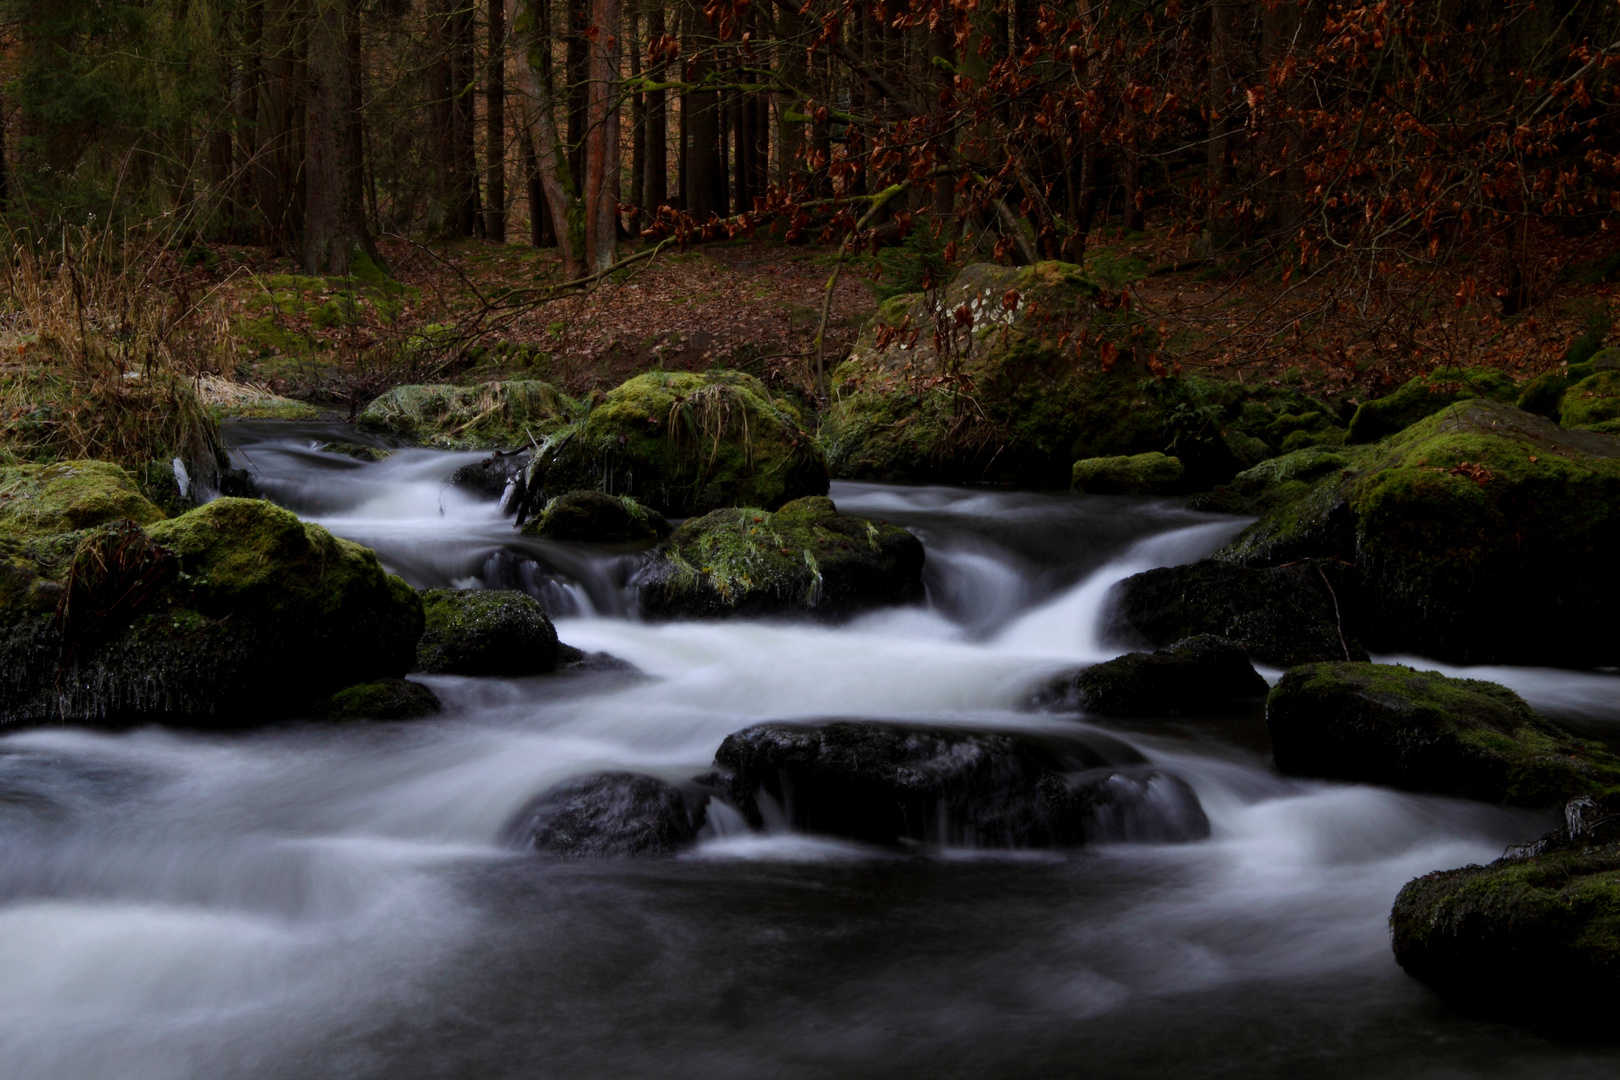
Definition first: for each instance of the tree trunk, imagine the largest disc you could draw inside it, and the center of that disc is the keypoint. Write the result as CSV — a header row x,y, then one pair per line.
x,y
638,116
463,118
602,138
655,175
551,156
495,126
329,220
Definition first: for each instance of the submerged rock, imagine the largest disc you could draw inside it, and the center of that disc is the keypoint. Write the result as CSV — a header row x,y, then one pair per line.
x,y
1482,534
596,518
1139,474
1536,933
1422,731
685,443
485,632
384,699
609,815
488,416
233,614
1198,675
884,784
1425,396
1283,616
499,476
805,558
360,452
1052,381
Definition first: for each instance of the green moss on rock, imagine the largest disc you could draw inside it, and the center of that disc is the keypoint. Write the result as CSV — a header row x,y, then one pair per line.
x,y
1425,396
1139,474
1592,402
804,558
485,632
383,699
686,443
594,517
37,500
1423,731
490,415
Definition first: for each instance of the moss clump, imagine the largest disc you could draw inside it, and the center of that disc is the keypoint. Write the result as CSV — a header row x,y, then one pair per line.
x,y
1139,474
483,632
1592,402
1480,534
1537,931
596,518
490,415
803,558
383,699
1422,731
37,500
686,443
1013,397
232,614
1425,396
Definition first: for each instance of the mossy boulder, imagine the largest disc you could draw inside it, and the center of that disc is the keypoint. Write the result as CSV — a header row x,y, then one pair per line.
x,y
1544,395
1139,474
40,500
805,558
685,443
233,614
1424,396
485,632
1423,731
1278,481
1198,675
1013,374
489,416
1482,534
1535,934
594,517
1283,615
885,784
383,699
1593,403
611,815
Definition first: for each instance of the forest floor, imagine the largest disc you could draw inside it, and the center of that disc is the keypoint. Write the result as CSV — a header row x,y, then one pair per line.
x,y
470,310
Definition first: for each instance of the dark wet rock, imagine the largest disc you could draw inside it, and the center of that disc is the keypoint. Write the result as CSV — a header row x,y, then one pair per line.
x,y
361,452
578,660
804,558
499,476
384,699
1482,534
1198,675
886,784
593,517
1534,935
485,632
233,614
1138,474
684,443
1283,615
1423,731
610,815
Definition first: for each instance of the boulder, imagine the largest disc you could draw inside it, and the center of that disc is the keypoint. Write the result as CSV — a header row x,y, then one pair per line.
x,y
804,558
1425,396
1281,616
1544,395
1593,403
41,500
501,476
1139,474
1198,675
1482,534
1422,731
233,614
885,784
1535,934
1012,374
383,699
609,815
685,443
596,518
489,416
485,632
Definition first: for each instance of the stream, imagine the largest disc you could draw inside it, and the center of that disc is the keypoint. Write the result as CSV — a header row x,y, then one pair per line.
x,y
313,900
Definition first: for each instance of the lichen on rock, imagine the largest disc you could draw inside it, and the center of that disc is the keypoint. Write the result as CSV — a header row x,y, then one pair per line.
x,y
804,558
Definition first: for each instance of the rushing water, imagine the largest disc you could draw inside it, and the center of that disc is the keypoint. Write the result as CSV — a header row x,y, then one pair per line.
x,y
323,901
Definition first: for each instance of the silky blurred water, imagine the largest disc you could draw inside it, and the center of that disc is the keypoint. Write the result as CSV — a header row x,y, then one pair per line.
x,y
332,901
